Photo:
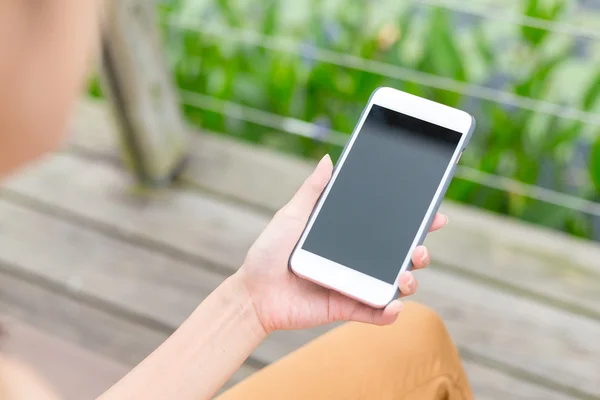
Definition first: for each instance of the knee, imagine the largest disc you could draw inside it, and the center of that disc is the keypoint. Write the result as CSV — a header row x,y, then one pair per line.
x,y
420,342
422,323
418,332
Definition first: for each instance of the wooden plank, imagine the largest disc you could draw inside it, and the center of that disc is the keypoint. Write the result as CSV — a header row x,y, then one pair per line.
x,y
202,228
214,162
137,283
86,262
549,343
519,333
489,384
544,264
45,305
82,374
75,321
510,255
85,375
137,81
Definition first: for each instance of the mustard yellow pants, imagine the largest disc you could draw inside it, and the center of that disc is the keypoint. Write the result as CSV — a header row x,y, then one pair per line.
x,y
413,359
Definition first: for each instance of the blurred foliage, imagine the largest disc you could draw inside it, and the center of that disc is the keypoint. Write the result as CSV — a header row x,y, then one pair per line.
x,y
527,146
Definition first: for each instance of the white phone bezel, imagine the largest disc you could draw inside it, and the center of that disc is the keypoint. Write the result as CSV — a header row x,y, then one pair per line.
x,y
350,282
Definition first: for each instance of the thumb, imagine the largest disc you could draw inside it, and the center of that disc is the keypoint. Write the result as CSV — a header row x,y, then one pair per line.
x,y
303,202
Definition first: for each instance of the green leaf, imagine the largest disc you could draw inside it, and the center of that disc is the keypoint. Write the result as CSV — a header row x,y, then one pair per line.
x,y
592,94
281,82
546,214
414,88
484,48
556,10
595,164
94,88
533,36
579,225
536,9
231,15
532,8
461,190
537,83
270,21
562,135
504,132
442,56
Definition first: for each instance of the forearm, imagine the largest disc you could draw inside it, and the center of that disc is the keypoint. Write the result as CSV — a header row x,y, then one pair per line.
x,y
202,354
45,48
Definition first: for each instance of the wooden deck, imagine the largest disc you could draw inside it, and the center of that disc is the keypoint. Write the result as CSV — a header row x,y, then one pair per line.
x,y
102,272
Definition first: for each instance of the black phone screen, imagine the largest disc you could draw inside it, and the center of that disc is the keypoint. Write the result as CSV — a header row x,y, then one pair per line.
x,y
382,192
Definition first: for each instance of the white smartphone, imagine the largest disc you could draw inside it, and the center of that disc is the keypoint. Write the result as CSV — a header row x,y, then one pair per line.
x,y
382,197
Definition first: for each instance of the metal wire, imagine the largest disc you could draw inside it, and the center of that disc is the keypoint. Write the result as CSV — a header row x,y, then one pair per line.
x,y
264,118
530,191
293,46
310,130
462,6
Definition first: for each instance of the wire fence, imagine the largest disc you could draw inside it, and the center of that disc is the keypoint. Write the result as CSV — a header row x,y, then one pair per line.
x,y
293,46
306,129
489,13
311,130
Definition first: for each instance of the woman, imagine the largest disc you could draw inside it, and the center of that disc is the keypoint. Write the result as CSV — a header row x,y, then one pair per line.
x,y
46,47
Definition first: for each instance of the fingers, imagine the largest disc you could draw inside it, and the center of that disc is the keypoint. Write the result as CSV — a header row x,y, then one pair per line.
x,y
303,202
408,284
370,315
439,221
420,257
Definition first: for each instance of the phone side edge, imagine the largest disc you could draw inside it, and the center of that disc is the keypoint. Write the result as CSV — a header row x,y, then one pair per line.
x,y
446,184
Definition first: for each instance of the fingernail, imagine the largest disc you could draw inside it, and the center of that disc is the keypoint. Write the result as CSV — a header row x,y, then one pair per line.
x,y
407,282
397,307
424,255
411,282
447,219
325,157
405,278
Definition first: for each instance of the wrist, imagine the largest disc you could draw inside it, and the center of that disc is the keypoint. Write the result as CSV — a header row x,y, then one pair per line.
x,y
239,295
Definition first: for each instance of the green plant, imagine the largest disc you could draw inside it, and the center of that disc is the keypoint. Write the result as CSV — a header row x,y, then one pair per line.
x,y
521,144
595,164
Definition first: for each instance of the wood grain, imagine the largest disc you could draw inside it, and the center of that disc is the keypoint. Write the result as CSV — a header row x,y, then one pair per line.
x,y
137,283
101,346
241,171
111,266
552,344
489,384
75,372
197,226
136,79
49,310
510,255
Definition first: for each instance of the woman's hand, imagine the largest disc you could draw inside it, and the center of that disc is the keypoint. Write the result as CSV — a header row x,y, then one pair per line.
x,y
284,301
263,296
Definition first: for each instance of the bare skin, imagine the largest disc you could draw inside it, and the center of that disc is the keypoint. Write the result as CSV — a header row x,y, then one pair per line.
x,y
46,47
263,296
